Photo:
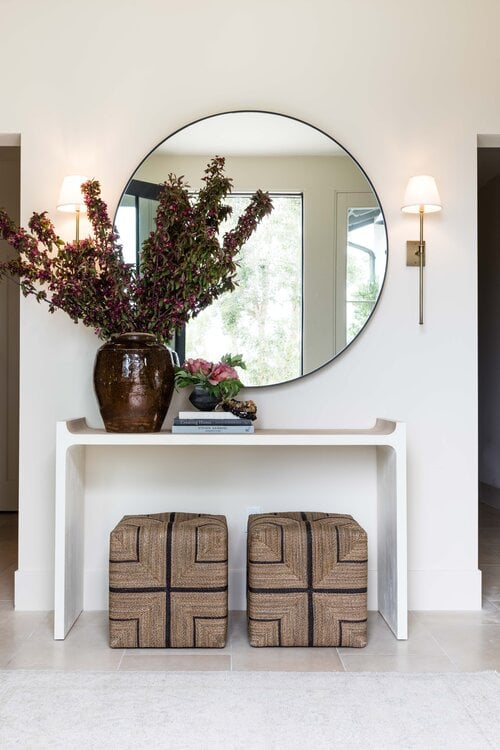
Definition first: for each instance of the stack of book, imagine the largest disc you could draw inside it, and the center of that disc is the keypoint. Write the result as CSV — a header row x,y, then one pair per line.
x,y
211,421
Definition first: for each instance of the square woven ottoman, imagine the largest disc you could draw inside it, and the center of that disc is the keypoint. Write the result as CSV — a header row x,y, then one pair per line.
x,y
307,580
168,581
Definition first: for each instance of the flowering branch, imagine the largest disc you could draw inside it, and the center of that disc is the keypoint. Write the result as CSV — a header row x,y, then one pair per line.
x,y
183,266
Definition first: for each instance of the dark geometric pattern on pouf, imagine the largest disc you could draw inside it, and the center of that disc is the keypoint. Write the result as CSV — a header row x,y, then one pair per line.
x,y
307,580
168,581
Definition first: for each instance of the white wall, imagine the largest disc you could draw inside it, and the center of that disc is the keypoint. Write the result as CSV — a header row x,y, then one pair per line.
x,y
404,89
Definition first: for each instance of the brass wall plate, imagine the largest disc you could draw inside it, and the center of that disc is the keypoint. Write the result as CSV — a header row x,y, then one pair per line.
x,y
412,258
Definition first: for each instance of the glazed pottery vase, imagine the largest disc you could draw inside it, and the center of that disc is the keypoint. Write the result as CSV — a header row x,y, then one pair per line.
x,y
202,399
134,382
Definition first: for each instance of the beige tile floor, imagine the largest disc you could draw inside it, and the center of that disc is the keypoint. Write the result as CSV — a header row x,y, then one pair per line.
x,y
438,641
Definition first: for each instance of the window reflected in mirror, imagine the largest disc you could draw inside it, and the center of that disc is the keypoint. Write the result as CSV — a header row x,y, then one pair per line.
x,y
263,315
365,266
311,275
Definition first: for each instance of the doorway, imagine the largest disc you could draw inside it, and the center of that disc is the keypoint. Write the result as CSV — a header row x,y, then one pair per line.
x,y
9,334
488,160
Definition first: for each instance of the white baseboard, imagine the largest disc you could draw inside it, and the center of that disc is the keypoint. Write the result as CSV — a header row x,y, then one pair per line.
x,y
444,589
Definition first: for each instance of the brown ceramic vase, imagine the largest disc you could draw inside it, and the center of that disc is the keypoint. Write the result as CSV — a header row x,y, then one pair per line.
x,y
134,382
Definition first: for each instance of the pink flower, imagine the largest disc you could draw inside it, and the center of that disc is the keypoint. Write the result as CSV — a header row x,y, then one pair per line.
x,y
195,366
222,372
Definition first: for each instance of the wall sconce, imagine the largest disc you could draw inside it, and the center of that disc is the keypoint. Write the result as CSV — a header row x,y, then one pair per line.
x,y
71,199
421,196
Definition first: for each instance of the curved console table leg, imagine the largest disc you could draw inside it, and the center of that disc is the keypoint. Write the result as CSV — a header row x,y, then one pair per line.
x,y
392,556
69,533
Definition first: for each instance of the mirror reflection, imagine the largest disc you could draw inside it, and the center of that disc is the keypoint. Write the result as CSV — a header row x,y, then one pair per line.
x,y
311,274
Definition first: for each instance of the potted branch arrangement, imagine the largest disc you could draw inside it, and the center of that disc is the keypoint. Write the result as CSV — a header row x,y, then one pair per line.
x,y
184,267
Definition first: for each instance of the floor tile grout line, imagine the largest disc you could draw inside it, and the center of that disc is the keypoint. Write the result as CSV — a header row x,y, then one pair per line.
x,y
453,660
434,638
121,660
342,661
491,602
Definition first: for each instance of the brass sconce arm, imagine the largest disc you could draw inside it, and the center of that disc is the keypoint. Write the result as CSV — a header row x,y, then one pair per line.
x,y
421,196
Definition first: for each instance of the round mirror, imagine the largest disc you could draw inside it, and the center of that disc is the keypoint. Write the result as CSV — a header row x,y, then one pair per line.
x,y
310,276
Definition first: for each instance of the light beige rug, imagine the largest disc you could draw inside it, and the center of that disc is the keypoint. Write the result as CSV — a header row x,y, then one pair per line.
x,y
250,710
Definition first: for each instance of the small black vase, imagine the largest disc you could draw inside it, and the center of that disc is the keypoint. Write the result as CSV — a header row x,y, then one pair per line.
x,y
202,400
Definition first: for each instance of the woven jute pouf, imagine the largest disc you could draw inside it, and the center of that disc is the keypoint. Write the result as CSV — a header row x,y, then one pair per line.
x,y
307,580
168,581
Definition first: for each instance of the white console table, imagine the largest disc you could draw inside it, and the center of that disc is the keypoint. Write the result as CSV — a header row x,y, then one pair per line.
x,y
389,439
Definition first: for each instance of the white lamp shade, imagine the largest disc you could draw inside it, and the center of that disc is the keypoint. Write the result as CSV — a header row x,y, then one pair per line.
x,y
421,193
70,197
